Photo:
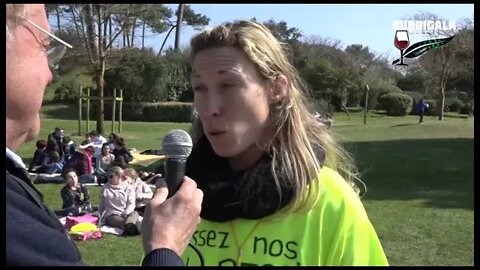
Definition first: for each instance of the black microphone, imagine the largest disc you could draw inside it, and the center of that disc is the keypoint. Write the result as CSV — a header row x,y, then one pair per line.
x,y
177,146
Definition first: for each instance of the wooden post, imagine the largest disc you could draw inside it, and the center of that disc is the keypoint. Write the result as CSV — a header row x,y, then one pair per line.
x,y
366,105
80,92
88,110
113,108
120,112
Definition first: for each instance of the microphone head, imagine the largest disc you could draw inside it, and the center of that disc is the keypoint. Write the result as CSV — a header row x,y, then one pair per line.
x,y
177,144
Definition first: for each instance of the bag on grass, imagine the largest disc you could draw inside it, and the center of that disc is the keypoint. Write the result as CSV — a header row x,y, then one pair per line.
x,y
84,231
74,220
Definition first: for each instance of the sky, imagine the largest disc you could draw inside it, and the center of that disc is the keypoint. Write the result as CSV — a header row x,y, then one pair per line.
x,y
367,24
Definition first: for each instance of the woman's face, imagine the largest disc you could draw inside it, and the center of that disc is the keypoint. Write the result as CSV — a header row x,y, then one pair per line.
x,y
114,178
71,178
106,150
231,99
128,178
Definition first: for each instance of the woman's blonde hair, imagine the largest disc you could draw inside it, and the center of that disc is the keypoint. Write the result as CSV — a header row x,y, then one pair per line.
x,y
132,175
296,136
116,170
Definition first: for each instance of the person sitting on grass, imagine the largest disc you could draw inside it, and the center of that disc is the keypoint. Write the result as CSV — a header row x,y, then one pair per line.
x,y
122,155
117,203
103,163
39,156
81,161
52,164
75,196
143,192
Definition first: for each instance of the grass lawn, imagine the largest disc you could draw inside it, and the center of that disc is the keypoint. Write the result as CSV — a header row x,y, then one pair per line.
x,y
419,179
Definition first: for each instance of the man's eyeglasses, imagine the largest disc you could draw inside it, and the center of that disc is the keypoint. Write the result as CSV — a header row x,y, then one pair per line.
x,y
54,54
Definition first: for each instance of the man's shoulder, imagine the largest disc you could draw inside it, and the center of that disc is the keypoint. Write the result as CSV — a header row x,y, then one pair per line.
x,y
33,235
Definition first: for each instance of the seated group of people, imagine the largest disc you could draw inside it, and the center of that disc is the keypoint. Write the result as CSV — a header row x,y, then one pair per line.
x,y
51,154
122,199
90,159
124,194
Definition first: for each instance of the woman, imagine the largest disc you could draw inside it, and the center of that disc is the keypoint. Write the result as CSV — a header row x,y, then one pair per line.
x,y
52,164
277,188
143,193
117,203
39,156
75,196
121,153
111,140
103,162
81,161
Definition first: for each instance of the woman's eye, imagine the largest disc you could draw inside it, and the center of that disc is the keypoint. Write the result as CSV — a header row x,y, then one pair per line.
x,y
227,85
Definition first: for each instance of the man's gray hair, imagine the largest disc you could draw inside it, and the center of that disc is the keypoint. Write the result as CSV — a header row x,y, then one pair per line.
x,y
15,12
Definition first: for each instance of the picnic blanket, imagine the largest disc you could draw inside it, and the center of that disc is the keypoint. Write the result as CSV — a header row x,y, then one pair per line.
x,y
145,160
104,228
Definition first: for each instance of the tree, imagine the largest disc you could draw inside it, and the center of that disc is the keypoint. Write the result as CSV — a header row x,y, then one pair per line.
x,y
179,26
189,17
282,32
441,64
89,21
155,18
413,81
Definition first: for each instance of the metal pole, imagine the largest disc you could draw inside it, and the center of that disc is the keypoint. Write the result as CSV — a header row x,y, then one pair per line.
x,y
113,108
80,92
366,105
88,110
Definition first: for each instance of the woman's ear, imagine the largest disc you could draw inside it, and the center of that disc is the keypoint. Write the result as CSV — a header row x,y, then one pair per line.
x,y
279,89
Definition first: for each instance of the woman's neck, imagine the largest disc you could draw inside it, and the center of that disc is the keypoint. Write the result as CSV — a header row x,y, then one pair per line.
x,y
246,159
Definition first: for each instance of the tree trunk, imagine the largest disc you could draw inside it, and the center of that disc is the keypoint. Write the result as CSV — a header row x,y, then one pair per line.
x,y
165,40
101,69
110,30
133,32
105,29
127,37
143,34
179,27
441,108
90,25
58,18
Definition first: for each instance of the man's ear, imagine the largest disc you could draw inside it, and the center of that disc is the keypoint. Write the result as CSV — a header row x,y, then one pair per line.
x,y
279,89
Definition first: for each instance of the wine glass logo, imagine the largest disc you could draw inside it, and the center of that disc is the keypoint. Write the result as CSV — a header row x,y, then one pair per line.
x,y
401,42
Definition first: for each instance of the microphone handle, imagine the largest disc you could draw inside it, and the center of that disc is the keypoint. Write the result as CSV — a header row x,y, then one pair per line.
x,y
174,173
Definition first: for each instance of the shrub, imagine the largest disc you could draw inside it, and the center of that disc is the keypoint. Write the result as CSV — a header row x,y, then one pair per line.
x,y
466,109
432,107
396,104
453,104
140,73
148,112
67,92
168,112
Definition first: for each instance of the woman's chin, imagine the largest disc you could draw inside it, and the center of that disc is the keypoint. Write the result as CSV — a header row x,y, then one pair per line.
x,y
222,150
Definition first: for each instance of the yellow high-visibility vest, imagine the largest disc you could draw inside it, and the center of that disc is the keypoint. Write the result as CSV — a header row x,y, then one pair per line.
x,y
336,231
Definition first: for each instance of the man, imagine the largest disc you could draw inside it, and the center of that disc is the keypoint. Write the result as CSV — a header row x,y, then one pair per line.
x,y
55,142
422,106
34,234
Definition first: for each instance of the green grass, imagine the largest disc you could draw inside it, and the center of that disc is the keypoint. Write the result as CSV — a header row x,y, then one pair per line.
x,y
419,178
